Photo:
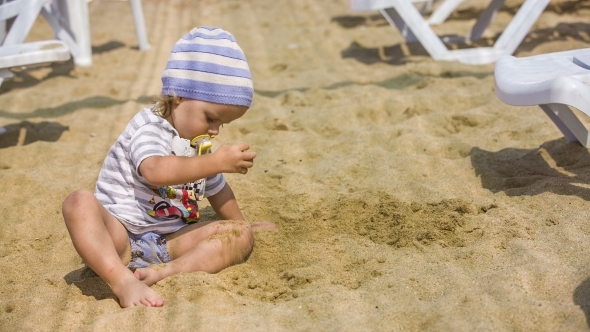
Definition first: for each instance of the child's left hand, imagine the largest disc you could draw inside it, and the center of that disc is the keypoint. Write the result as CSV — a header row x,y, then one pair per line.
x,y
235,158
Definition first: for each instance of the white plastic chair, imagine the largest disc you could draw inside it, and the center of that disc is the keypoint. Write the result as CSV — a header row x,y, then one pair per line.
x,y
414,27
14,54
69,20
442,11
554,81
27,11
73,15
139,23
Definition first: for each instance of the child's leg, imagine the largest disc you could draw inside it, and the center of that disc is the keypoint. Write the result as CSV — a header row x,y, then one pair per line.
x,y
206,246
102,242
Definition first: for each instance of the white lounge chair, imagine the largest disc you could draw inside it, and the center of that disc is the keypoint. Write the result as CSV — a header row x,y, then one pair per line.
x,y
31,53
442,11
553,81
27,11
74,15
414,27
69,20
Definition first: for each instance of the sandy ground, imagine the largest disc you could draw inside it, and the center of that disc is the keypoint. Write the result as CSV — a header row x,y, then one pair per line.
x,y
407,196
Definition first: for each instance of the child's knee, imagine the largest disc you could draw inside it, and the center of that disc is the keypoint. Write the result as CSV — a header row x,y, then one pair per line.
x,y
76,201
247,239
241,237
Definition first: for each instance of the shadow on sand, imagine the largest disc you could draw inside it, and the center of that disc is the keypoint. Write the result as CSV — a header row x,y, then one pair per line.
x,y
90,284
582,298
556,166
26,132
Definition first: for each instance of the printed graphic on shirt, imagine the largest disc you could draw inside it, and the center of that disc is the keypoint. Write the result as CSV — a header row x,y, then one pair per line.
x,y
182,202
178,203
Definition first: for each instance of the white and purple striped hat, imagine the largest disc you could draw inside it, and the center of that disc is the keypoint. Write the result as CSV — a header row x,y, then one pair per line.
x,y
208,65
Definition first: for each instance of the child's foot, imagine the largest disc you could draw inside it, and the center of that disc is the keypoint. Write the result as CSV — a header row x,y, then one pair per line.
x,y
134,293
263,225
148,276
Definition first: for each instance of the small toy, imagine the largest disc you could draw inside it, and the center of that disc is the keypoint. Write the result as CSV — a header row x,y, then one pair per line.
x,y
202,144
198,146
190,193
189,210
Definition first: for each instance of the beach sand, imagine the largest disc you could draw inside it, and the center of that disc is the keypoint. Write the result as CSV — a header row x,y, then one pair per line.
x,y
407,196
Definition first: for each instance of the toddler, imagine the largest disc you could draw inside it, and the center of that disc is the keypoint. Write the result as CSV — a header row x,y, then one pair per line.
x,y
144,210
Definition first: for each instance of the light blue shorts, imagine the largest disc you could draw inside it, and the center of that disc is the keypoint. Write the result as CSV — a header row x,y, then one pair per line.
x,y
148,249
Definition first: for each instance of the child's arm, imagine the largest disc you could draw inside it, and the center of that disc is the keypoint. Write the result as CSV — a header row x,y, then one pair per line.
x,y
225,204
173,170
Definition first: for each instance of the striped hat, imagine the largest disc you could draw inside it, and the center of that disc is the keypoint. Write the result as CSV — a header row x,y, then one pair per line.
x,y
208,65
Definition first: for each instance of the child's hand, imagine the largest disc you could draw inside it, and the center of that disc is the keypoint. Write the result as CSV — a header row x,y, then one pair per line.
x,y
235,158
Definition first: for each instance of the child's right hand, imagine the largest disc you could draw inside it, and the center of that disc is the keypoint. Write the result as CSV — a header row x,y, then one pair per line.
x,y
235,158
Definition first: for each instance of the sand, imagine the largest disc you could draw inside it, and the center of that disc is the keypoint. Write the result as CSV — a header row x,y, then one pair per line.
x,y
407,196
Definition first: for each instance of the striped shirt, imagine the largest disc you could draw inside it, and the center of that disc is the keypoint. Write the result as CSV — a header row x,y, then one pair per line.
x,y
125,193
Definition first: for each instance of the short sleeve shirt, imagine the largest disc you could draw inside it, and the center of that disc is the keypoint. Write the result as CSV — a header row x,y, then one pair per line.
x,y
140,206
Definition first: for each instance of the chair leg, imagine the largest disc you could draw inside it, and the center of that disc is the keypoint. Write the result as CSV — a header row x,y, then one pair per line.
x,y
485,19
443,11
23,22
520,25
414,27
5,73
80,26
2,31
568,123
139,22
393,18
77,35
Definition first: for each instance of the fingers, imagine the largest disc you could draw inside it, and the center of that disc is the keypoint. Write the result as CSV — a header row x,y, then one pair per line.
x,y
237,158
247,163
243,146
247,158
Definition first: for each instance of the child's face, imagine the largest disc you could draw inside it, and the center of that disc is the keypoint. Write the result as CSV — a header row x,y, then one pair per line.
x,y
192,117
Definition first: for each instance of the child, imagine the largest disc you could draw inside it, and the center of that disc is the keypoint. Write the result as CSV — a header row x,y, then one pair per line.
x,y
143,211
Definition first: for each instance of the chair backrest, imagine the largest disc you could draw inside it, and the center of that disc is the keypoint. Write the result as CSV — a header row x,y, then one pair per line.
x,y
13,51
26,12
10,8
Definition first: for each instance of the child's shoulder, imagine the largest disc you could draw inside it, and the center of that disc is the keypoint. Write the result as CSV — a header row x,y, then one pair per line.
x,y
146,116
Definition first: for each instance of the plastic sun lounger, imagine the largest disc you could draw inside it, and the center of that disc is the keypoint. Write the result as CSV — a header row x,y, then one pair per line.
x,y
554,81
69,20
27,11
32,53
413,27
24,54
441,13
75,15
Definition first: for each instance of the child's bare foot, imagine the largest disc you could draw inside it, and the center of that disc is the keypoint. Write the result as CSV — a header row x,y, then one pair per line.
x,y
263,225
148,276
134,293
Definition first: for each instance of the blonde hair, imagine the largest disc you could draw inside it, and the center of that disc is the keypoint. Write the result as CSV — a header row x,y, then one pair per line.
x,y
164,105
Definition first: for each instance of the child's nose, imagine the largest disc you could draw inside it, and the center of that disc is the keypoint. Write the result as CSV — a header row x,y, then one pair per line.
x,y
213,130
